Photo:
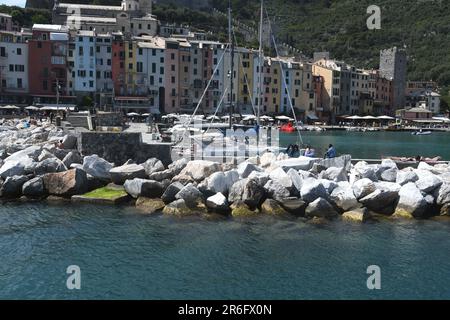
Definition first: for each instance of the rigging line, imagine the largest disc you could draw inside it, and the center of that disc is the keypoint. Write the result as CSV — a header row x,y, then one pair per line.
x,y
186,124
246,79
217,109
284,78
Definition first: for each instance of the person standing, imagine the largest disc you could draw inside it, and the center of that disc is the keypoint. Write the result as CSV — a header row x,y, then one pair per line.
x,y
331,152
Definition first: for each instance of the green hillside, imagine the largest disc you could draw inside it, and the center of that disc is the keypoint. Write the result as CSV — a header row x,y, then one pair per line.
x,y
338,26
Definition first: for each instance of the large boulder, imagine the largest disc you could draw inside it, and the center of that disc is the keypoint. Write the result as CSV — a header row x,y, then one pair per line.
x,y
45,154
267,159
241,209
149,206
220,182
138,187
443,194
388,186
363,187
356,215
69,142
49,165
272,207
276,191
428,182
294,206
366,171
171,191
280,176
162,175
153,165
217,202
329,185
34,188
67,183
380,201
389,175
177,166
320,208
179,208
246,168
200,169
13,168
312,189
297,180
191,196
12,186
71,158
97,167
127,172
411,201
334,174
344,198
32,152
388,164
249,191
405,176
261,177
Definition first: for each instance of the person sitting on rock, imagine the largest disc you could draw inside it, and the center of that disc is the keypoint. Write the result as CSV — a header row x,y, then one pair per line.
x,y
331,152
309,152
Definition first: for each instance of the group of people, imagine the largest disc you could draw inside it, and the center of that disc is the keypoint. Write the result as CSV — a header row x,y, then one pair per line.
x,y
293,151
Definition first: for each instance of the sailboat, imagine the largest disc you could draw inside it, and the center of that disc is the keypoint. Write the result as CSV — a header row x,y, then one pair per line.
x,y
228,140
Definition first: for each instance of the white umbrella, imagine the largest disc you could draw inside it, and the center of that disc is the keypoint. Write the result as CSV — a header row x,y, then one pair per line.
x,y
31,108
10,107
385,118
443,119
132,114
145,114
354,118
283,118
369,118
212,117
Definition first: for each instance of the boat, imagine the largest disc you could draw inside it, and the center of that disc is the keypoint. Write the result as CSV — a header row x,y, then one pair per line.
x,y
288,127
421,133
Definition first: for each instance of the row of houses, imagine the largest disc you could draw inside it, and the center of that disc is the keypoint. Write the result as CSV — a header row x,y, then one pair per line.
x,y
133,66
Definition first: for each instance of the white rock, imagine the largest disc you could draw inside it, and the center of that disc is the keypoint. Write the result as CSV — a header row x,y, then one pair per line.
x,y
97,167
411,200
200,169
428,183
246,168
406,176
344,198
363,187
267,159
217,201
280,176
312,189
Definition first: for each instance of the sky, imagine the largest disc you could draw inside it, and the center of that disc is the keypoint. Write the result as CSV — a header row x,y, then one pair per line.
x,y
20,3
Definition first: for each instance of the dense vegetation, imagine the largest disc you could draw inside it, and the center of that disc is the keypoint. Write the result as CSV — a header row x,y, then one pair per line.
x,y
337,26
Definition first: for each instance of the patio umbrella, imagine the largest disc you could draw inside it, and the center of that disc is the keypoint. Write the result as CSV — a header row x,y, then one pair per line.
x,y
283,118
145,114
132,114
354,118
31,108
385,118
369,118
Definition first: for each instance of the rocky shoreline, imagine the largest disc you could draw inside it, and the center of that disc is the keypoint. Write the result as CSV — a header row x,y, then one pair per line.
x,y
33,167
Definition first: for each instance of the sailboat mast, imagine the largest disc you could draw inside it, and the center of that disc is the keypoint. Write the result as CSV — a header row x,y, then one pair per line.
x,y
230,39
260,66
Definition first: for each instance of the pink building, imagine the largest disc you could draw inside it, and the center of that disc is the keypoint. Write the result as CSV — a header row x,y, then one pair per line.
x,y
171,66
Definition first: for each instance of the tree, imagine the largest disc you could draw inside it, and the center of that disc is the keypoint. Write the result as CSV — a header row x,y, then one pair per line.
x,y
39,18
86,102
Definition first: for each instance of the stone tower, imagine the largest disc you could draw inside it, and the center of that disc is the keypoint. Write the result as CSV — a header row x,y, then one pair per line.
x,y
146,6
393,67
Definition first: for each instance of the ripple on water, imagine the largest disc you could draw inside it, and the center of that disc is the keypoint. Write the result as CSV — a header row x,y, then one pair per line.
x,y
124,254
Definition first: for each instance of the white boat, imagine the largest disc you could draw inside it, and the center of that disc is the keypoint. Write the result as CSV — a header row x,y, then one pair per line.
x,y
421,133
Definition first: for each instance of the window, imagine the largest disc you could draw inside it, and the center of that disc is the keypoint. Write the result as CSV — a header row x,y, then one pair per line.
x,y
149,26
45,85
161,70
172,67
108,62
173,79
11,67
2,51
98,49
80,51
130,66
19,83
172,56
39,44
153,52
139,67
91,84
140,51
3,83
19,51
153,67
161,60
108,49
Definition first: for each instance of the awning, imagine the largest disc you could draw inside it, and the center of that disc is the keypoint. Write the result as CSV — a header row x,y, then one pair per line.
x,y
312,116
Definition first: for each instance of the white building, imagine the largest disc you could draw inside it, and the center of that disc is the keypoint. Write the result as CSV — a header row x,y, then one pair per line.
x,y
150,66
84,71
13,65
103,73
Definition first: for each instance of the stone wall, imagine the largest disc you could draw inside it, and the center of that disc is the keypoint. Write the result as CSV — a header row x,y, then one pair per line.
x,y
119,147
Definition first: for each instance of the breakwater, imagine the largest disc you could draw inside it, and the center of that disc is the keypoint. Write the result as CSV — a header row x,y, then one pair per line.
x,y
33,166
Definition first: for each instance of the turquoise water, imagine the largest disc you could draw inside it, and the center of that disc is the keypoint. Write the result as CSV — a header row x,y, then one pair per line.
x,y
373,145
123,254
